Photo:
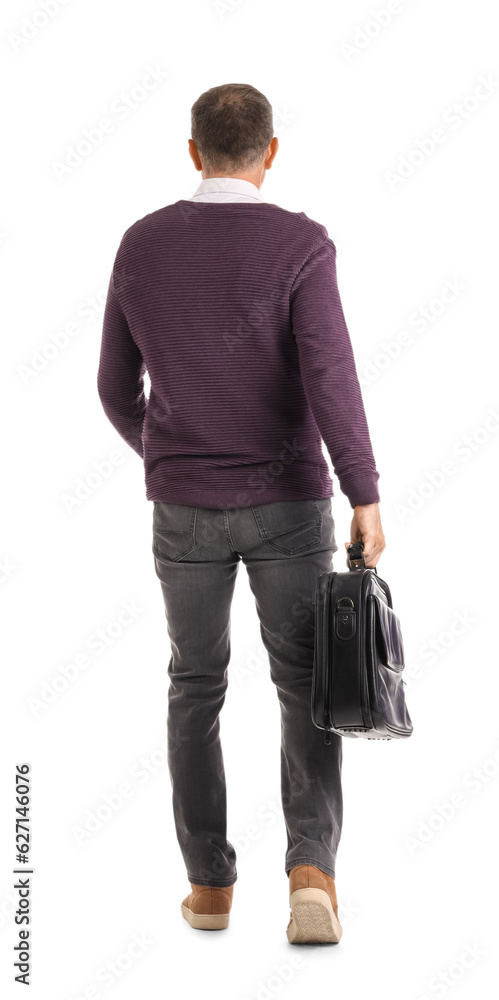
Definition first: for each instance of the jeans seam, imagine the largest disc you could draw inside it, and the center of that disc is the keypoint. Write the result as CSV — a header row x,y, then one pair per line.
x,y
227,529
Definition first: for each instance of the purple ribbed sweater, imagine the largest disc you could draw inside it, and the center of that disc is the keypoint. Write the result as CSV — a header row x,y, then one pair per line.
x,y
234,311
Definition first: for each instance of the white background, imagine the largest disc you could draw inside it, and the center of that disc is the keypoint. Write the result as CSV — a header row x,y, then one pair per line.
x,y
416,880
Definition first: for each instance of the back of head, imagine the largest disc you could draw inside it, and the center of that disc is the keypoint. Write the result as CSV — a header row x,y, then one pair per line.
x,y
232,126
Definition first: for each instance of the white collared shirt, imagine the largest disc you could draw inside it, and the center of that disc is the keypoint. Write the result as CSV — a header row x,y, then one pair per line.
x,y
226,189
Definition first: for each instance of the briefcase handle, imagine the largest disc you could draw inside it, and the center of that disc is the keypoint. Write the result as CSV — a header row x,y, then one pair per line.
x,y
356,558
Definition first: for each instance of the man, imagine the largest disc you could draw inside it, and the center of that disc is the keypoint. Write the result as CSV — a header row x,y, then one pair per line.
x,y
231,304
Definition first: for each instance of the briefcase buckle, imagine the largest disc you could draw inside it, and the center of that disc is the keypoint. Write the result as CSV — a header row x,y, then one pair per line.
x,y
346,618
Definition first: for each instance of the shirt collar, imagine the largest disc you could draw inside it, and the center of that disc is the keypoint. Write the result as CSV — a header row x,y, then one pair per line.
x,y
224,187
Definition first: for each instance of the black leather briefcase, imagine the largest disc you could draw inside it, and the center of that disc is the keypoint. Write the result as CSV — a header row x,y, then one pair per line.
x,y
357,684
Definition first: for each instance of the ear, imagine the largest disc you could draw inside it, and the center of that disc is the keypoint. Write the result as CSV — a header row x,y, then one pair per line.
x,y
193,152
271,152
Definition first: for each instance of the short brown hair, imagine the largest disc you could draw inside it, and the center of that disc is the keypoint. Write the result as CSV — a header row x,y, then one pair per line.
x,y
232,126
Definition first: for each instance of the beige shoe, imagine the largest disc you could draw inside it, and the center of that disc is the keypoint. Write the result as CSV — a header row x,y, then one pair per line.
x,y
206,908
314,907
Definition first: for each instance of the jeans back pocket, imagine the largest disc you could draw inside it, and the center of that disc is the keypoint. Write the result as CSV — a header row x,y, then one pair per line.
x,y
290,526
174,530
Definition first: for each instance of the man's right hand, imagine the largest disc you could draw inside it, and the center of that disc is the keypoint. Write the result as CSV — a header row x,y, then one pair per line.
x,y
366,528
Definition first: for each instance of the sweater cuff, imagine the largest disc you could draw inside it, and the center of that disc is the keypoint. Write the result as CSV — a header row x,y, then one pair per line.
x,y
363,490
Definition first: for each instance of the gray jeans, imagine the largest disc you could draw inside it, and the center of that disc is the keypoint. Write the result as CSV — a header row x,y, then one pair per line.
x,y
197,550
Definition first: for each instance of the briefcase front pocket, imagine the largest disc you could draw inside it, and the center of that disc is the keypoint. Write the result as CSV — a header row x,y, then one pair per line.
x,y
385,664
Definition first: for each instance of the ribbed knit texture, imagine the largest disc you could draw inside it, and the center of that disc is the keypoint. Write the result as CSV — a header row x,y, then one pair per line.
x,y
234,311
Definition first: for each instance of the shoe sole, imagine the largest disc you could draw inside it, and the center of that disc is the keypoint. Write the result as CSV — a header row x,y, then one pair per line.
x,y
205,921
313,920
